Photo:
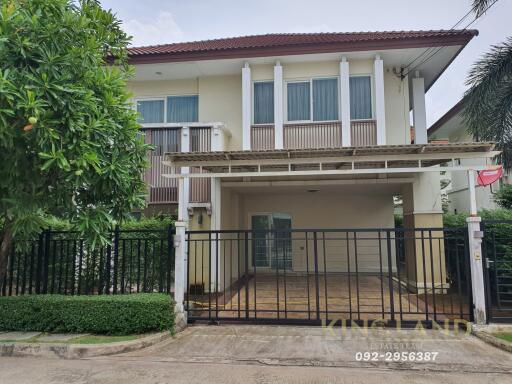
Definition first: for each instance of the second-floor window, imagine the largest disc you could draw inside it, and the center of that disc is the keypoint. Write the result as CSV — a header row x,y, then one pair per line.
x,y
360,97
173,109
312,100
263,102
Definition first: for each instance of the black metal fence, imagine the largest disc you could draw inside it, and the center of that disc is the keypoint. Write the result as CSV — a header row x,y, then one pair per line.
x,y
315,275
497,250
60,262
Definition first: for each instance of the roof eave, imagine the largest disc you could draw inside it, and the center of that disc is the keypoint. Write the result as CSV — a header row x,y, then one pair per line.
x,y
300,49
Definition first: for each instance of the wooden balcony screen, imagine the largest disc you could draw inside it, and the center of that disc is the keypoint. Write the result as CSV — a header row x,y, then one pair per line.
x,y
200,141
312,135
262,137
363,133
161,190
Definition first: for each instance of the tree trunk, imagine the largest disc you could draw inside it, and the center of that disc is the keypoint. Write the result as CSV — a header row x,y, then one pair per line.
x,y
5,249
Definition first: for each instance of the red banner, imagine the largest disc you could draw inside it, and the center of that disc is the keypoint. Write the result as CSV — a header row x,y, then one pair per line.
x,y
489,176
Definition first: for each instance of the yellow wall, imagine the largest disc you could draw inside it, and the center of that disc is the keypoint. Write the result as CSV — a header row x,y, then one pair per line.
x,y
220,97
220,100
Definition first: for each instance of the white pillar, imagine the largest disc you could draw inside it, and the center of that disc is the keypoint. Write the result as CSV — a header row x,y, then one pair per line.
x,y
215,226
475,254
185,147
180,259
246,107
380,107
419,111
346,139
278,106
217,138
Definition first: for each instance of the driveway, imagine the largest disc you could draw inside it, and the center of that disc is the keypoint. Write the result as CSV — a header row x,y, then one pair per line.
x,y
267,354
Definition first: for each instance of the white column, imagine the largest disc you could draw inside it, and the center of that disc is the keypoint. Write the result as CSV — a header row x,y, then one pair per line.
x,y
475,254
380,107
346,139
246,107
185,147
180,259
419,111
217,138
215,226
278,106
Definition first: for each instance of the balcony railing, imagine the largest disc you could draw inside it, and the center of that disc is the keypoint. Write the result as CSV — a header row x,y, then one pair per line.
x,y
312,135
262,137
363,133
163,190
200,141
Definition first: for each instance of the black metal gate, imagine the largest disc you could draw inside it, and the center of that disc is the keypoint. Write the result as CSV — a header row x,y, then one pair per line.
x,y
315,276
497,250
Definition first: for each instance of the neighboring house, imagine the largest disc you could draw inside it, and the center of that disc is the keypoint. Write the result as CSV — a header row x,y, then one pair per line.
x,y
451,127
296,131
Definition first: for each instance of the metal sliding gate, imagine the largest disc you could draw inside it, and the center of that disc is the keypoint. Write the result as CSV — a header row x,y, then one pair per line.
x,y
314,276
497,250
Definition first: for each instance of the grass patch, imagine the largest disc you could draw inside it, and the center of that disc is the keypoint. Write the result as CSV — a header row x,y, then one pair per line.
x,y
102,339
507,336
88,339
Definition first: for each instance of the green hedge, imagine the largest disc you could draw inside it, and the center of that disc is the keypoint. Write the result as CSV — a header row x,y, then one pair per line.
x,y
459,219
112,314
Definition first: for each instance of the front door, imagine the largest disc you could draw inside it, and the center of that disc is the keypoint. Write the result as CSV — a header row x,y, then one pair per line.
x,y
271,245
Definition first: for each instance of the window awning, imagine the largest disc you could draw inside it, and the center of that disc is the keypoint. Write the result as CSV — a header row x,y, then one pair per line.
x,y
343,160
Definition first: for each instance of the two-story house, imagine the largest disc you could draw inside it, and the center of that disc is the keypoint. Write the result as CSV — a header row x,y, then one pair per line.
x,y
296,133
451,127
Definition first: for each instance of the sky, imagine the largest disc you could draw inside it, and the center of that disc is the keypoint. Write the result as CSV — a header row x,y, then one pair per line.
x,y
167,21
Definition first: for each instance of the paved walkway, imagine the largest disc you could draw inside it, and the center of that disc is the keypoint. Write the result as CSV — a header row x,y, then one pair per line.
x,y
267,354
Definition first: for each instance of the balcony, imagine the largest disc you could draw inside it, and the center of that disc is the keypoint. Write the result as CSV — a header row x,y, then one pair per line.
x,y
314,135
163,190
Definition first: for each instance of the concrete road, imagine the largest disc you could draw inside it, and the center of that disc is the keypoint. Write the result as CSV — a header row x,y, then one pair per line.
x,y
284,354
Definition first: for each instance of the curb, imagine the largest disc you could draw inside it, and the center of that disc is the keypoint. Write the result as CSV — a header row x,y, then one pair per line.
x,y
490,339
77,351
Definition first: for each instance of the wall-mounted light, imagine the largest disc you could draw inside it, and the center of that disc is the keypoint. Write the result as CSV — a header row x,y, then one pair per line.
x,y
200,219
158,73
313,190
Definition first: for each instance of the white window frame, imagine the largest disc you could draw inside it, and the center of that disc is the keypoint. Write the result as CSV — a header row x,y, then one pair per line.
x,y
165,124
372,93
310,80
253,100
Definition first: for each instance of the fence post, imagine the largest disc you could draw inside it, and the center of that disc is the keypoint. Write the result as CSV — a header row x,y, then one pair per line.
x,y
477,273
475,255
179,266
116,259
46,259
390,276
170,247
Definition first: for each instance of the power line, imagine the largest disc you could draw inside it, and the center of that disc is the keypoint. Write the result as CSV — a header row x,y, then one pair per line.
x,y
437,50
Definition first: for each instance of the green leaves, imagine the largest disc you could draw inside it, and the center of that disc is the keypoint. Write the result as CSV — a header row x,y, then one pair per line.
x,y
68,135
488,102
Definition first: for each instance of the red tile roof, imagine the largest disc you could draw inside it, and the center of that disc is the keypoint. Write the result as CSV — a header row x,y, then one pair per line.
x,y
297,43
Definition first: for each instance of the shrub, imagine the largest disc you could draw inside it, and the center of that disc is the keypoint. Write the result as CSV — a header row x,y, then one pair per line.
x,y
504,197
459,219
112,314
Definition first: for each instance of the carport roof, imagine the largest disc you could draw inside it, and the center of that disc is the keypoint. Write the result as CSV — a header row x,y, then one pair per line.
x,y
353,152
391,159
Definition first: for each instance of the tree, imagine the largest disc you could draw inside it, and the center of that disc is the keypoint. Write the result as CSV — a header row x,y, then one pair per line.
x,y
69,141
504,197
488,101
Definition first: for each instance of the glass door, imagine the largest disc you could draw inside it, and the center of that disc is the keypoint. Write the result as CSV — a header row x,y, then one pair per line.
x,y
282,241
271,245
